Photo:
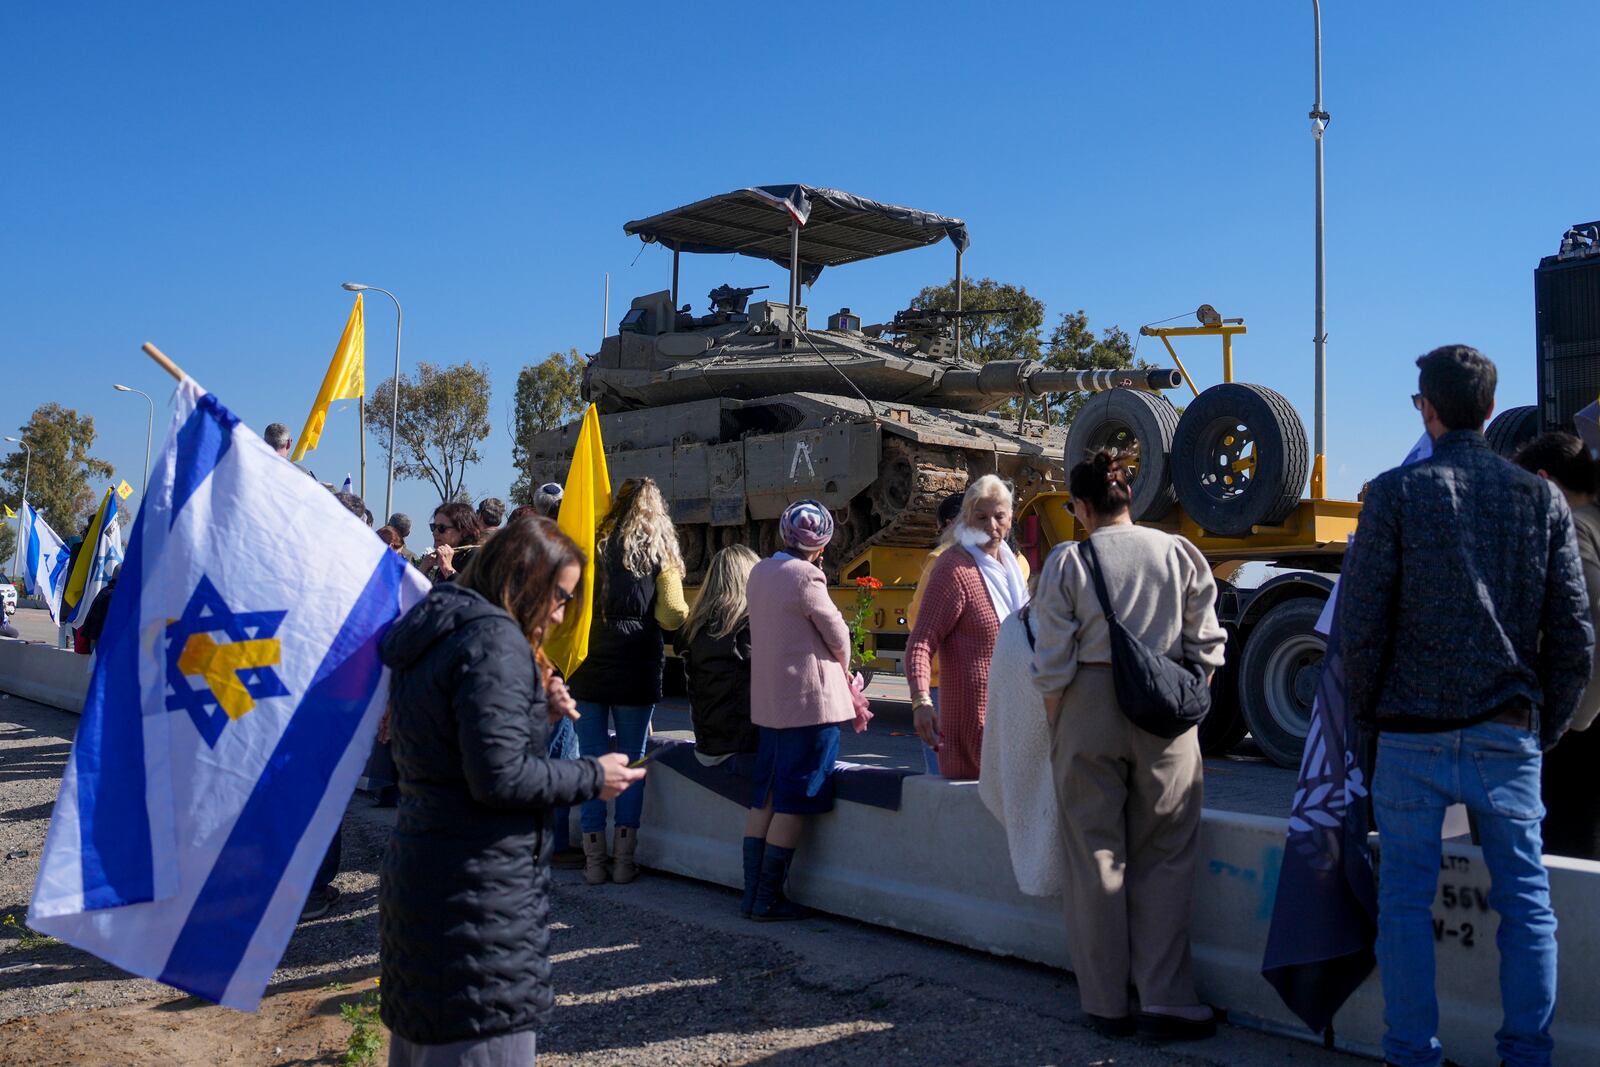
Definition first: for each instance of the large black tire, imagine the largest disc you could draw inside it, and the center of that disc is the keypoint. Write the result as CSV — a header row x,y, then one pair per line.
x,y
1513,428
1224,727
1239,458
1125,419
1278,678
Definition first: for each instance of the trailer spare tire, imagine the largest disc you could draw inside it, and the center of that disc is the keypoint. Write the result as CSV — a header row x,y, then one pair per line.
x,y
1279,675
1239,458
1513,428
1129,419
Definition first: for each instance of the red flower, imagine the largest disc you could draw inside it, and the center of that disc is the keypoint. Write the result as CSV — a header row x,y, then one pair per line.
x,y
869,582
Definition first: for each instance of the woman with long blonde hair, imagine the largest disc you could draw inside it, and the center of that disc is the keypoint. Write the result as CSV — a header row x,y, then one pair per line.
x,y
638,574
716,659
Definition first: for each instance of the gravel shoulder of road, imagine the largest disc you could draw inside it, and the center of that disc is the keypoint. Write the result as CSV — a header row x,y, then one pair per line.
x,y
659,972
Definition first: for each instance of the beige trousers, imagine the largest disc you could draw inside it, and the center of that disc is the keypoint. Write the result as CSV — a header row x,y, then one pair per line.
x,y
1130,828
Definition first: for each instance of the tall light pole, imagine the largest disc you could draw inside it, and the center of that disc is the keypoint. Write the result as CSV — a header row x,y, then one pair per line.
x,y
27,468
394,410
1319,124
149,427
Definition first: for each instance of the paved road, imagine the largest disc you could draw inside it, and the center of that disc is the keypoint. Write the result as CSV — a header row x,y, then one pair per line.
x,y
1243,782
661,972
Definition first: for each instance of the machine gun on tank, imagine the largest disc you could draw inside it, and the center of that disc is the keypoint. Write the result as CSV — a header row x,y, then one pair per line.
x,y
728,303
931,331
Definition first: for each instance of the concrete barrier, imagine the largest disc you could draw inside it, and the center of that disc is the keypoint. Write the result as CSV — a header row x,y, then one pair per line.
x,y
939,867
52,676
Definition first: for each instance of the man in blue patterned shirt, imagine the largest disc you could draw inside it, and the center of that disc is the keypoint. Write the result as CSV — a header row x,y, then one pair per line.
x,y
1466,639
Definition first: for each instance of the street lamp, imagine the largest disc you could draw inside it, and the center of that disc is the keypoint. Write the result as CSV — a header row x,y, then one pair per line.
x,y
394,411
27,468
1319,125
148,428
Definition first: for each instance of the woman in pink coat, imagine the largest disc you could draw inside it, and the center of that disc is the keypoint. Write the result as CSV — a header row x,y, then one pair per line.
x,y
799,694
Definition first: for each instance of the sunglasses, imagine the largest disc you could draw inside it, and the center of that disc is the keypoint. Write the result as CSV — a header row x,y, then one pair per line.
x,y
439,527
566,596
1416,401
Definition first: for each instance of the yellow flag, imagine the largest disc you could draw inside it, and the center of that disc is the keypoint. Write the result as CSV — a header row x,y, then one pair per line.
x,y
124,491
585,499
9,513
346,380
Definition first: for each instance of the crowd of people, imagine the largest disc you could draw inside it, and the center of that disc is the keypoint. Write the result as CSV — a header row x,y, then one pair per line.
x,y
1466,617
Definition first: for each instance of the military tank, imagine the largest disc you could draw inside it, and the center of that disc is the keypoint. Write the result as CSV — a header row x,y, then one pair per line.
x,y
740,411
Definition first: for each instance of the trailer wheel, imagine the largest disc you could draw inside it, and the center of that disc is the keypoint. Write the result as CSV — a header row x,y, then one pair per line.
x,y
1513,428
1127,419
1239,458
1278,678
1224,727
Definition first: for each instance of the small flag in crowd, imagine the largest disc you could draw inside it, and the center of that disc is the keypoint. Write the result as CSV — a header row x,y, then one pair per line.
x,y
345,380
44,561
346,483
97,561
12,514
235,695
585,499
124,491
1321,942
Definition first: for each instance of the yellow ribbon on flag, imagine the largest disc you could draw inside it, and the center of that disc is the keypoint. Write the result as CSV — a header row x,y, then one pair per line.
x,y
346,380
124,491
585,499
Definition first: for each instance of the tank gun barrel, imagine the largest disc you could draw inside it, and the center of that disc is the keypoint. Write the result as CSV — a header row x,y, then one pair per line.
x,y
1026,377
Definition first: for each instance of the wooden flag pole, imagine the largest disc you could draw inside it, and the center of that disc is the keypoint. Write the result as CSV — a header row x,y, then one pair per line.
x,y
361,418
166,364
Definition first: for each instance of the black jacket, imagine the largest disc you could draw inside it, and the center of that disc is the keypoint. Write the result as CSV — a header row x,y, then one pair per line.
x,y
718,670
626,649
1462,595
463,891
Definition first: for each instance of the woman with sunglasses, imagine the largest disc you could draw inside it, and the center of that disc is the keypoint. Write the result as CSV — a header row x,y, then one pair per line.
x,y
465,882
457,532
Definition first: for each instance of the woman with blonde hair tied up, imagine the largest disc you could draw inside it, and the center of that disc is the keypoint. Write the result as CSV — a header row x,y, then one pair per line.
x,y
975,586
638,576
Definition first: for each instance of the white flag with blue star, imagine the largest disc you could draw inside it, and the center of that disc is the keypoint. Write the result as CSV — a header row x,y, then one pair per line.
x,y
234,699
44,560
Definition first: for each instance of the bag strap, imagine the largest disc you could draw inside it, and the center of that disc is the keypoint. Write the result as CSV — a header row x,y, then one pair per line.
x,y
1091,562
1027,624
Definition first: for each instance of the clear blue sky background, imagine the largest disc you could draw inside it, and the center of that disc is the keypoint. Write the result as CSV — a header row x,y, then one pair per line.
x,y
204,177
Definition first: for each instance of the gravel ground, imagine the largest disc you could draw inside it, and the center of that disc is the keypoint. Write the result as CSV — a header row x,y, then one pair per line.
x,y
661,972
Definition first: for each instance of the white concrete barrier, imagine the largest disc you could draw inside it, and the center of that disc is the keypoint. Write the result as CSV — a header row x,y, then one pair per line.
x,y
939,867
53,676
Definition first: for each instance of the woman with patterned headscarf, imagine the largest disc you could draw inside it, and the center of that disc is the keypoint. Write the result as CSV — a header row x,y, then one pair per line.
x,y
799,694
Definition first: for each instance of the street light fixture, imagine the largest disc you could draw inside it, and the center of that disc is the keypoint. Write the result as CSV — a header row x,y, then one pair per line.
x,y
148,428
394,410
27,468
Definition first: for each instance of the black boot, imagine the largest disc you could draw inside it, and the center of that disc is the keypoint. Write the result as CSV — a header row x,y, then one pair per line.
x,y
770,903
754,848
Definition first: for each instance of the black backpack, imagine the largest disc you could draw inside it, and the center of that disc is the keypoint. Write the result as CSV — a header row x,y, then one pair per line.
x,y
1157,695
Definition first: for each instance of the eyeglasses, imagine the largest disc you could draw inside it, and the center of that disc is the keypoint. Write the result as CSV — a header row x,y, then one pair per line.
x,y
439,527
1416,400
565,595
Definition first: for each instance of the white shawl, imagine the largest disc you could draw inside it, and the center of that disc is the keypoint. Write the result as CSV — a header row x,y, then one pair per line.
x,y
1002,577
1015,781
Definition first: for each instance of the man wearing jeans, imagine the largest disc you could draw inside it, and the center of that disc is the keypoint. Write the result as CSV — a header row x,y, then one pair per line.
x,y
1466,640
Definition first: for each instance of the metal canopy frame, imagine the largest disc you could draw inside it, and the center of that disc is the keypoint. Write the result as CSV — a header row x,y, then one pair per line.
x,y
766,222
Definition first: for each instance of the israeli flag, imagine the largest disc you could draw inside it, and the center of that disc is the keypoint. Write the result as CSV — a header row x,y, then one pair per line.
x,y
234,698
106,556
44,560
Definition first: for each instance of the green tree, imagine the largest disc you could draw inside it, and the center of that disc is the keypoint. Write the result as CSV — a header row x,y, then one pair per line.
x,y
61,471
8,544
985,337
549,394
1074,346
444,416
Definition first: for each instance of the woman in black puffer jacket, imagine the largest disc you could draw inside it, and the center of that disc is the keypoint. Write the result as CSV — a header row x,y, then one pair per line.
x,y
465,880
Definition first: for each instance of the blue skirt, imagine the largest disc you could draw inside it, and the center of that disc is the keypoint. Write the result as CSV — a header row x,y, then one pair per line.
x,y
794,767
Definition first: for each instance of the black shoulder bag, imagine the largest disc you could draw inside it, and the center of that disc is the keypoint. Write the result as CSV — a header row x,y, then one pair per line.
x,y
1157,695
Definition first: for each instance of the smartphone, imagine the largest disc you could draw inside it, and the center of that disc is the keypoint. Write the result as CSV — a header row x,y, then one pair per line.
x,y
646,758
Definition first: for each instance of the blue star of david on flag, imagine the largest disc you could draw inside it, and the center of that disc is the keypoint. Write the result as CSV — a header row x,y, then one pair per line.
x,y
234,675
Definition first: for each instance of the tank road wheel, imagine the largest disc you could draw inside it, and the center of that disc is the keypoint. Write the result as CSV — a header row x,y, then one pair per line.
x,y
1513,428
1127,419
1239,458
1278,678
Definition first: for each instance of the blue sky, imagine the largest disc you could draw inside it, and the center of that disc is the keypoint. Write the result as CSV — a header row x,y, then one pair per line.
x,y
204,177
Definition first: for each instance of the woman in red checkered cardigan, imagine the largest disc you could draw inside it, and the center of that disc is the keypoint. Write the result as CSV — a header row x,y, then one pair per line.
x,y
975,585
